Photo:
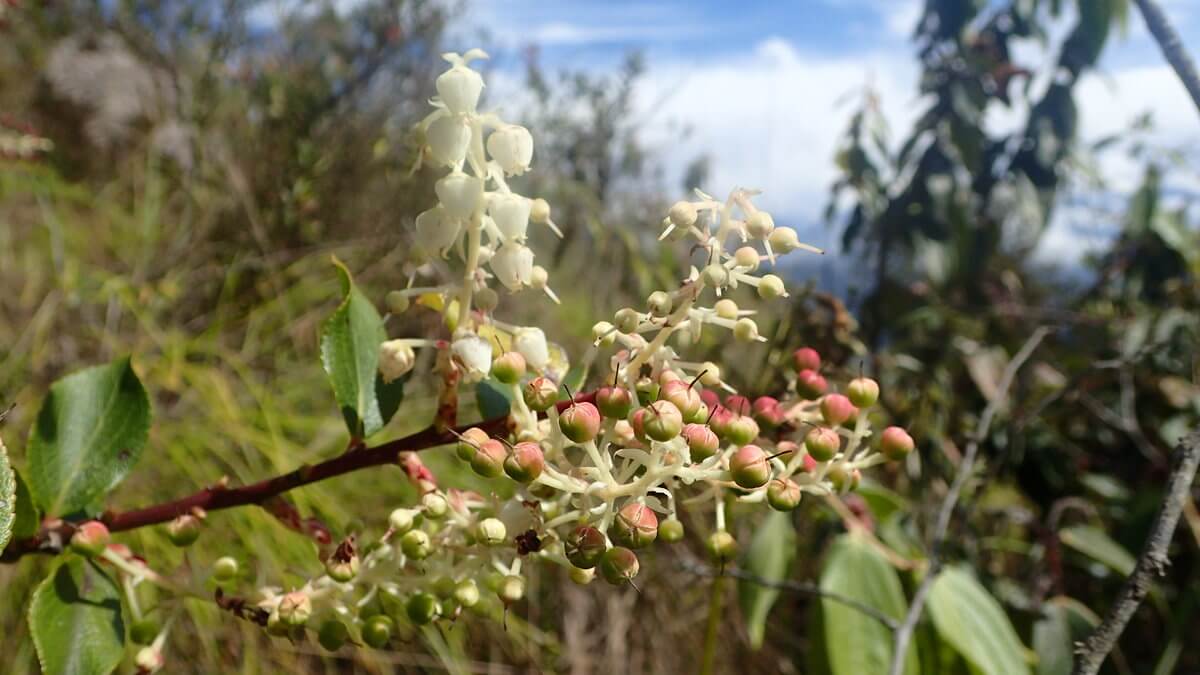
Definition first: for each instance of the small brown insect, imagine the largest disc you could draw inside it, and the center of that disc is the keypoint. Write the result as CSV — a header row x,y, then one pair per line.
x,y
528,542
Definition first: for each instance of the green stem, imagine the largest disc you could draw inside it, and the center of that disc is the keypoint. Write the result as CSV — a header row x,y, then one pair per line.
x,y
708,663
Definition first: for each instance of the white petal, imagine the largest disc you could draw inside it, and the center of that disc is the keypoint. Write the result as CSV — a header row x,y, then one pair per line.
x,y
448,138
460,194
531,344
459,88
474,353
435,232
512,147
513,265
511,213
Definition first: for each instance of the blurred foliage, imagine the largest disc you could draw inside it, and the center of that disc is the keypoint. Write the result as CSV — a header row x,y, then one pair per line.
x,y
206,166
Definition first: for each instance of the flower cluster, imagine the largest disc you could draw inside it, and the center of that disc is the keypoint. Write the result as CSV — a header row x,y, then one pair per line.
x,y
481,221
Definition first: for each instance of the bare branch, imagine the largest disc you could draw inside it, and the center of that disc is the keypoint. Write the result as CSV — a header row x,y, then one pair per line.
x,y
800,587
1151,562
1172,47
905,630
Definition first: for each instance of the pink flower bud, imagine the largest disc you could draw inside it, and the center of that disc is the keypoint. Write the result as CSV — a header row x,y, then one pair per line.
x,y
810,384
895,443
710,398
662,421
767,412
635,525
469,443
739,405
614,402
488,460
806,358
863,392
702,442
822,443
580,422
749,467
837,409
540,393
525,463
682,396
90,538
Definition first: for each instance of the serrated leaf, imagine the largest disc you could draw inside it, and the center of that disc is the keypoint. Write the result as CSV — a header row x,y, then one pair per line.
x,y
854,569
769,557
969,619
88,436
494,399
76,622
8,497
1097,545
350,340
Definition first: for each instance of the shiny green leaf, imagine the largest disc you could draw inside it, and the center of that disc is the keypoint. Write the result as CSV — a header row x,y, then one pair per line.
x,y
88,435
970,620
1097,545
769,557
350,340
76,622
8,497
856,643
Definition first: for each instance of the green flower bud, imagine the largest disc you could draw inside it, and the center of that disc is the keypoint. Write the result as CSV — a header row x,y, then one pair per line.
x,y
822,443
618,565
295,608
435,506
377,631
397,302
422,608
863,392
184,530
512,589
749,467
466,593
662,421
144,631
614,402
489,459
671,531
332,634
580,422
626,320
895,443
509,367
771,287
416,544
525,463
584,546
783,494
540,393
659,303
491,532
722,547
225,569
401,520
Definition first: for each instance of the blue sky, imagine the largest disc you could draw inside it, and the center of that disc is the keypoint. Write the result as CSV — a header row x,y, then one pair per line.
x,y
763,84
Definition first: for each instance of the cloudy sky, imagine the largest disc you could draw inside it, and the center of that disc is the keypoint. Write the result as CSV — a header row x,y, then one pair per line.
x,y
764,84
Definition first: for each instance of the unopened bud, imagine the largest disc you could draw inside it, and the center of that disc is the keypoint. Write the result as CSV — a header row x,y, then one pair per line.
x,y
662,421
863,392
682,214
397,302
466,593
670,531
491,531
584,546
895,443
90,538
726,309
489,459
580,422
771,287
810,384
784,240
401,520
635,526
614,402
722,547
184,530
225,569
742,430
749,467
760,224
822,443
746,256
806,358
469,442
295,608
626,320
783,494
396,357
619,565
702,442
377,630
540,393
525,463
509,367
416,545
332,634
837,409
434,506
421,608
511,589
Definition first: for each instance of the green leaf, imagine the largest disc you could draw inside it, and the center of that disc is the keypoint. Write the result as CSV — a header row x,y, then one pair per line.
x,y
76,620
494,399
1052,641
27,518
858,644
972,622
769,557
1095,544
88,435
350,340
8,497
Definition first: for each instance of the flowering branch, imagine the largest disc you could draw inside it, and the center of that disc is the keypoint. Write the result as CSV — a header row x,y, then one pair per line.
x,y
55,534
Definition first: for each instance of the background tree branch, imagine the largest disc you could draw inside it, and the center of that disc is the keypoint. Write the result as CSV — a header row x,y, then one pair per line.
x,y
1172,47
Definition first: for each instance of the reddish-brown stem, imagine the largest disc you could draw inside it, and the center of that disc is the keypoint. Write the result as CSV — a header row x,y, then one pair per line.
x,y
55,533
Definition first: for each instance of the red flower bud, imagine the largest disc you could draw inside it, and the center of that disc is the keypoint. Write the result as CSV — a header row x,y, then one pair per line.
x,y
580,422
837,409
90,538
618,565
635,525
710,398
895,443
806,358
749,467
584,546
767,412
822,443
810,384
740,405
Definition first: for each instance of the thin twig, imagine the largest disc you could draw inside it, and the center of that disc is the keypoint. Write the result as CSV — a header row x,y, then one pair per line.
x,y
1152,562
905,631
220,496
794,587
1172,47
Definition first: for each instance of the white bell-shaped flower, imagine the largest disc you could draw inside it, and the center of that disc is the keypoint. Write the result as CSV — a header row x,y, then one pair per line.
x,y
460,194
473,353
396,357
448,137
460,87
512,147
513,265
436,232
531,343
511,214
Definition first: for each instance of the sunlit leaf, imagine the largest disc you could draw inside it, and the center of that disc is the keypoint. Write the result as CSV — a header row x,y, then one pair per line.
x,y
76,620
969,619
769,557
